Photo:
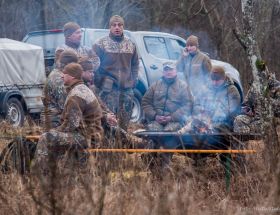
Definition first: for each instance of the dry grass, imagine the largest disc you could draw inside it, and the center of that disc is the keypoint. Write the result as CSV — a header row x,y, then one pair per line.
x,y
122,184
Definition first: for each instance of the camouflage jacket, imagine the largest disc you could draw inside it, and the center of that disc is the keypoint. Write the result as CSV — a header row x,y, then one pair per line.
x,y
196,69
54,95
162,98
221,105
118,61
82,51
82,113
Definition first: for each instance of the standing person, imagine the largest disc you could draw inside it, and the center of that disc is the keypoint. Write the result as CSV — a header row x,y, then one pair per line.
x,y
118,72
195,65
54,92
73,35
81,119
167,104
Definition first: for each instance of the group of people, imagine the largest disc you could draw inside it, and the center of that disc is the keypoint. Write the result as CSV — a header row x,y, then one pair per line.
x,y
90,91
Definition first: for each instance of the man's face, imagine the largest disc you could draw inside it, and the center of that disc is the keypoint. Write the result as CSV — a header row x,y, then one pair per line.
x,y
67,79
116,29
191,48
76,36
169,73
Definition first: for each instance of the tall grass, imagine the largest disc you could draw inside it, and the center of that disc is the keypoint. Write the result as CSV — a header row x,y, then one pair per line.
x,y
123,184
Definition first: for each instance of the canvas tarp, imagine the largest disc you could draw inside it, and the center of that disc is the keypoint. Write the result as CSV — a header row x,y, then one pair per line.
x,y
21,63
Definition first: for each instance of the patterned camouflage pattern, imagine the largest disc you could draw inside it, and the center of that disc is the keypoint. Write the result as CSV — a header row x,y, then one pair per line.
x,y
53,146
118,61
120,103
251,121
54,98
82,51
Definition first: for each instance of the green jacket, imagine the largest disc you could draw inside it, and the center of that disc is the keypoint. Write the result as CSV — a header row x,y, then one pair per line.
x,y
173,99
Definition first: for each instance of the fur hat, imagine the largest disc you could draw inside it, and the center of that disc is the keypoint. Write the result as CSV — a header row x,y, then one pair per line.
x,y
73,69
218,73
192,41
86,63
116,18
69,28
67,57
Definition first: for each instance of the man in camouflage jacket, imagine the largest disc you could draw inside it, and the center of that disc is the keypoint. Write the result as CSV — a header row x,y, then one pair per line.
x,y
73,35
220,104
250,120
54,92
167,104
118,71
81,119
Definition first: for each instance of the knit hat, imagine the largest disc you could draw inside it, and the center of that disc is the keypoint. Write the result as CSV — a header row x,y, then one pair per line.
x,y
218,73
86,63
67,57
192,41
74,69
69,28
116,18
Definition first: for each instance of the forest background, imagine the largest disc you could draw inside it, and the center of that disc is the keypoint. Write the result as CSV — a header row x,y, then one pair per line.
x,y
213,21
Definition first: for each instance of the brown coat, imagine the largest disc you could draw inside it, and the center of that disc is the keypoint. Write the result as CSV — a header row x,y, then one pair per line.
x,y
82,113
168,99
118,60
196,69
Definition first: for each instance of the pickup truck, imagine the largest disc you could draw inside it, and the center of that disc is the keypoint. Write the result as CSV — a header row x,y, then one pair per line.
x,y
22,76
153,48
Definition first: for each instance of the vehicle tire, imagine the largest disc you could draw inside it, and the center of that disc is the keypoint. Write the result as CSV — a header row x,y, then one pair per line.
x,y
136,115
14,112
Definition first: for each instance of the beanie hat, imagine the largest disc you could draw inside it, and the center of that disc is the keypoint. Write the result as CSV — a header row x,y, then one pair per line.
x,y
218,73
192,41
86,63
116,18
69,28
74,69
67,57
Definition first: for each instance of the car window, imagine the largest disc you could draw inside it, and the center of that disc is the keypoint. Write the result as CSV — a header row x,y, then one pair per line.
x,y
47,41
176,48
156,46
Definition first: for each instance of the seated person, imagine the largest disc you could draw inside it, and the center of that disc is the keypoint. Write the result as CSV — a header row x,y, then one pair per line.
x,y
167,104
216,109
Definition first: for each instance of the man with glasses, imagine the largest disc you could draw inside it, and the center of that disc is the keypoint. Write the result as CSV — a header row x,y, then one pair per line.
x,y
118,72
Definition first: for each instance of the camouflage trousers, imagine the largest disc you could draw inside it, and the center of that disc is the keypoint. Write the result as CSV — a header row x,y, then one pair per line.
x,y
120,103
246,124
171,126
54,145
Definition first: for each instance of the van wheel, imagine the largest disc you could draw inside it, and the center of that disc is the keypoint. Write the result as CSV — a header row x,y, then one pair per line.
x,y
136,115
14,112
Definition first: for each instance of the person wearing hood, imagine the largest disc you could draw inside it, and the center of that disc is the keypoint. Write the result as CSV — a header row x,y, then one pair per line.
x,y
222,102
167,104
195,65
118,72
73,35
